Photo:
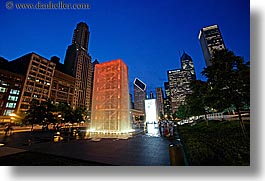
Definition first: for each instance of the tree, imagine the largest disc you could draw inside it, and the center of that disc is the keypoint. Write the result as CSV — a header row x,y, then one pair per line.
x,y
66,112
229,81
79,114
182,112
49,109
199,99
35,114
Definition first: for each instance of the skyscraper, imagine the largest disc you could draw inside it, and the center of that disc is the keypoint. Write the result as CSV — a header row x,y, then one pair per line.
x,y
211,39
187,64
160,100
110,105
139,94
78,64
167,100
151,95
179,81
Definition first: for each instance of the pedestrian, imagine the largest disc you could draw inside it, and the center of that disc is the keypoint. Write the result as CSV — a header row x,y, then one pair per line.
x,y
6,129
160,127
171,126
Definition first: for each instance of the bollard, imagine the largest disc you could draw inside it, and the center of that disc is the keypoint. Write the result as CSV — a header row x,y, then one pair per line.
x,y
176,155
172,154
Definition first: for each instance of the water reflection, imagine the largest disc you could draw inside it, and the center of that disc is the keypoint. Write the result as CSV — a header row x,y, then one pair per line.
x,y
82,133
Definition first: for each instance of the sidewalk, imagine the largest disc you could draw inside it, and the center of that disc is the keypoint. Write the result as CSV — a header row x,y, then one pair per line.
x,y
4,151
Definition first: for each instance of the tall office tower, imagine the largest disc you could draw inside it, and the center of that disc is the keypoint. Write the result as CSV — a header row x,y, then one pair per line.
x,y
179,85
167,100
38,72
78,64
151,95
110,105
211,39
187,64
139,94
160,100
131,102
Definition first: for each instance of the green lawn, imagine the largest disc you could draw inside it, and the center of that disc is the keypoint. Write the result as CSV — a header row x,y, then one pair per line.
x,y
219,143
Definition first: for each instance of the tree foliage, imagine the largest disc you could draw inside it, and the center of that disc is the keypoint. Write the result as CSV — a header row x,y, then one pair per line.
x,y
229,80
47,112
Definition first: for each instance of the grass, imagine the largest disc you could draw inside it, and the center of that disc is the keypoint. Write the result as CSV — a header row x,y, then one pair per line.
x,y
219,143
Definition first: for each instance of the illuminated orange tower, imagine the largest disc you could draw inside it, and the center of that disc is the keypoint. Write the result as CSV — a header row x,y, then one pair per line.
x,y
110,102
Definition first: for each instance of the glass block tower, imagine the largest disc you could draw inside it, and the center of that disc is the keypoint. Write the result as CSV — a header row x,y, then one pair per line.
x,y
110,104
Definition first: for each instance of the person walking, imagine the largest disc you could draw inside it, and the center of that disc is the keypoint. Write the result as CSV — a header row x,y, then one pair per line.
x,y
160,127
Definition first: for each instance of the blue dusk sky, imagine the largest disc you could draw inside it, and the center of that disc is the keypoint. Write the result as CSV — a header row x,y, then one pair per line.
x,y
149,35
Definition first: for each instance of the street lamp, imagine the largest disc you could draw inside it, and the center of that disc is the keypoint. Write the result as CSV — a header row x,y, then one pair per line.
x,y
12,116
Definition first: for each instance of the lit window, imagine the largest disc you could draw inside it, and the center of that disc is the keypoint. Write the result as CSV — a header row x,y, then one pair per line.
x,y
7,112
12,98
11,105
13,91
3,89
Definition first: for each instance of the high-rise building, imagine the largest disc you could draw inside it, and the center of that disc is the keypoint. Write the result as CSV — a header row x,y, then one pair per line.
x,y
131,102
139,94
187,64
211,39
151,95
110,105
167,101
78,64
160,100
38,72
179,82
81,36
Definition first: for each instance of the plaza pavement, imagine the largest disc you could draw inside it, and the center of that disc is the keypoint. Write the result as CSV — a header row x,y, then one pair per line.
x,y
147,149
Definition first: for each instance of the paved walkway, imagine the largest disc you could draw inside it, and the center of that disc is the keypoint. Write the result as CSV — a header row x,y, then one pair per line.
x,y
140,150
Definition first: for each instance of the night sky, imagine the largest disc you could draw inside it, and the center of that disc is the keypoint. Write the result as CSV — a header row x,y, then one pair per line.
x,y
149,35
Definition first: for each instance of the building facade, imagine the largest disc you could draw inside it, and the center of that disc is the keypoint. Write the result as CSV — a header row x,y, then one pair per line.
x,y
187,64
139,94
167,101
63,86
179,82
38,72
11,85
179,87
210,39
110,105
78,64
160,100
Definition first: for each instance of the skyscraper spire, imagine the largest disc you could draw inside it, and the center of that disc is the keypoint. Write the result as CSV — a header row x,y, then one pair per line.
x,y
81,36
